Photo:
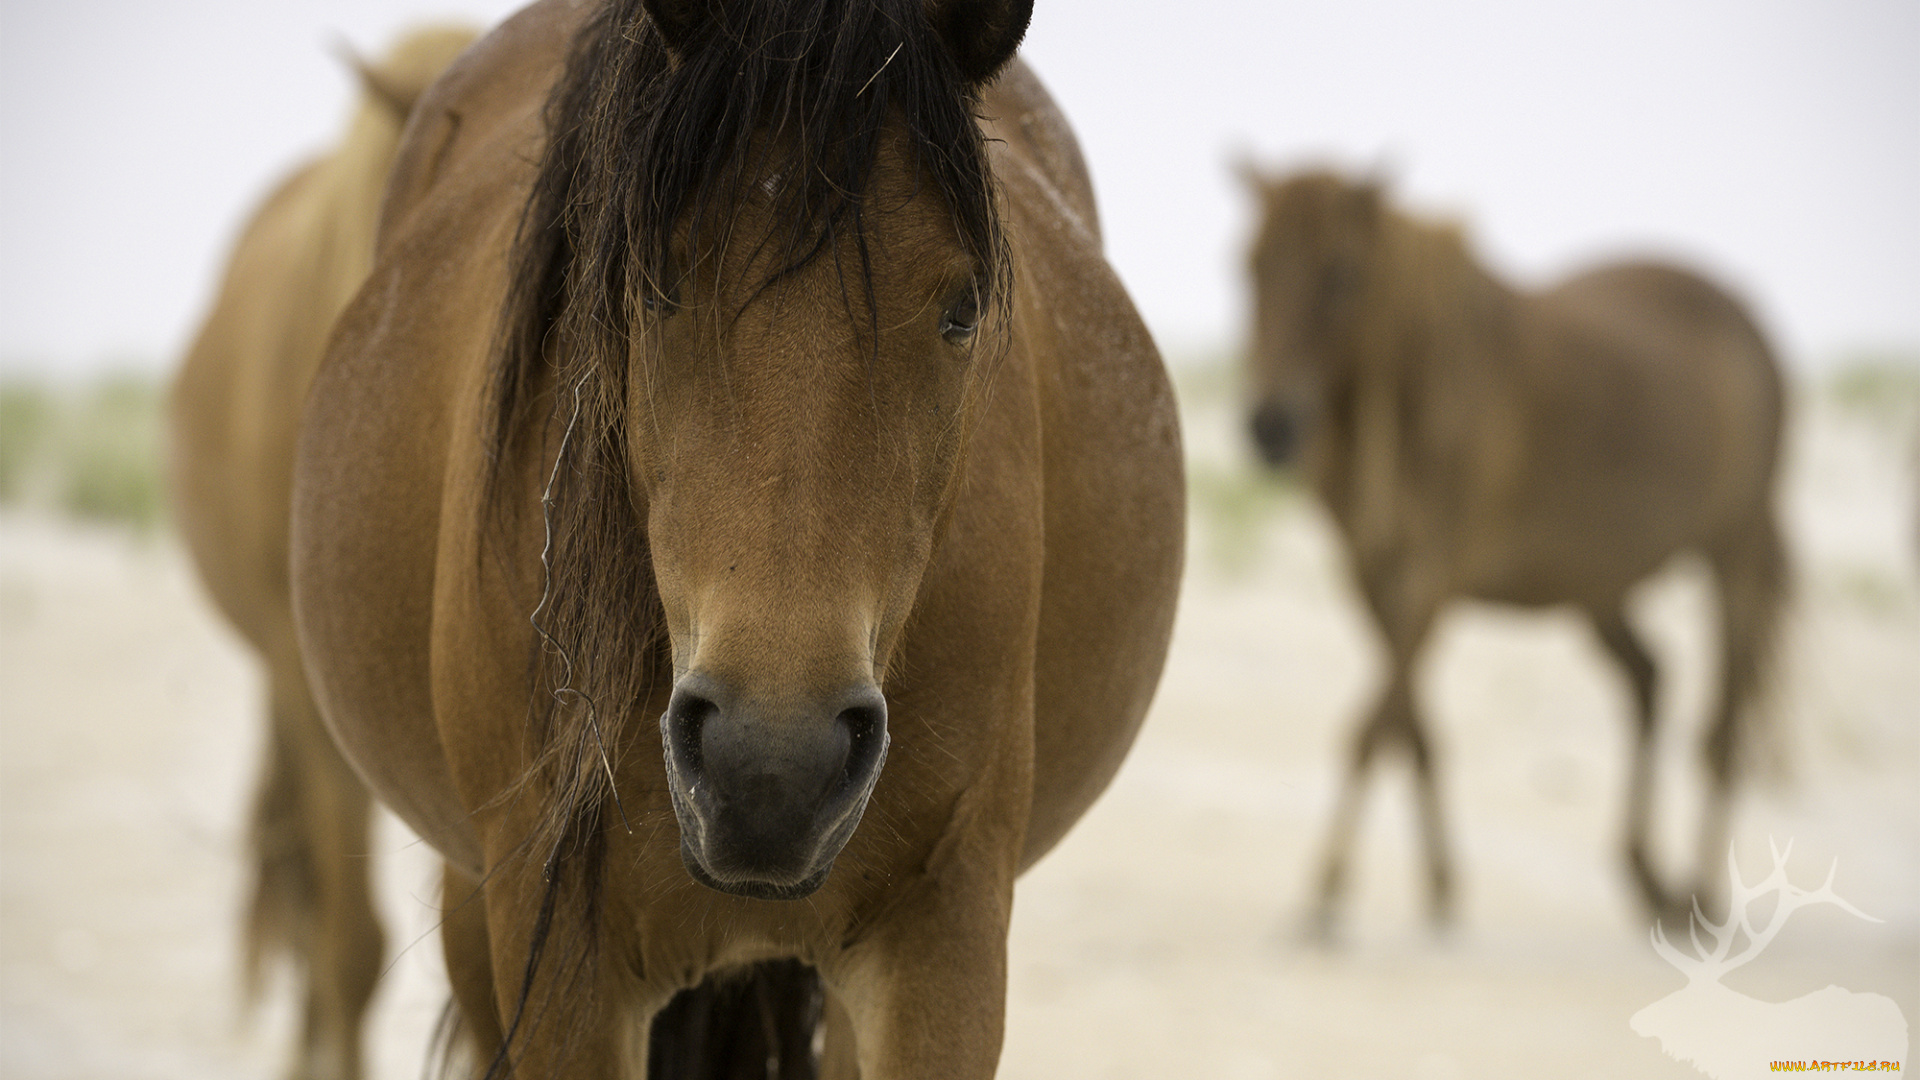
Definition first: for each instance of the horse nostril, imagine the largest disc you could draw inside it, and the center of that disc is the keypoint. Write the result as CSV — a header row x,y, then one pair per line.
x,y
866,726
684,725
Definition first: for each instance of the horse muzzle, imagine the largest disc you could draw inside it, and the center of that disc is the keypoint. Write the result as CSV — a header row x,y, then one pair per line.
x,y
1276,431
767,796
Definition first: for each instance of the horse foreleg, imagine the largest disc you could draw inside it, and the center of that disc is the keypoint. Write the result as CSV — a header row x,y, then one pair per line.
x,y
1404,615
565,1002
1433,832
926,990
1345,824
1618,638
839,1051
469,957
1393,720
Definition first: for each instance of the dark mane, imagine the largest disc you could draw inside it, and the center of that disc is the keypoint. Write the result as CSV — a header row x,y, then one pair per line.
x,y
646,138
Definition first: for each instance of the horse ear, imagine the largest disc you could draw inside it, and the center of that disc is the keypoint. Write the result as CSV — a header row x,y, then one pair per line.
x,y
377,84
980,35
679,21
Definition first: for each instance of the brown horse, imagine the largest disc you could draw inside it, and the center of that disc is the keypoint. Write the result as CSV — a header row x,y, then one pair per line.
x,y
235,409
753,367
1554,448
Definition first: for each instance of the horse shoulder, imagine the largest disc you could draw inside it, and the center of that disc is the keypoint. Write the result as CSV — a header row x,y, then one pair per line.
x,y
1114,499
380,456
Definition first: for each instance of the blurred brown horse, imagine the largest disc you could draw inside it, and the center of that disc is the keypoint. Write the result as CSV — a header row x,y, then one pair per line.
x,y
1552,448
235,410
738,525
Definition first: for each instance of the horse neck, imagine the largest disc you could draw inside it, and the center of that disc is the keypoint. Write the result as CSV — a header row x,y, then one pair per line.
x,y
335,222
343,212
1429,363
1433,311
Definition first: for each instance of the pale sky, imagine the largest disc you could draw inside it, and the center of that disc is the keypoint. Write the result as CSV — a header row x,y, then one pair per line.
x,y
1773,143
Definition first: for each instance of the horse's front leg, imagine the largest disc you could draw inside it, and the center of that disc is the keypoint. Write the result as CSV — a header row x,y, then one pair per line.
x,y
565,1004
1404,601
926,990
469,959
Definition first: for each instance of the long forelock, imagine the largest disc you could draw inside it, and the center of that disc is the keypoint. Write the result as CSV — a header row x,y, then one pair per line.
x,y
799,89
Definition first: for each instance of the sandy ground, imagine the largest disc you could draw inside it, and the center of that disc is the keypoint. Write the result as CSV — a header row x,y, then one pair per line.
x,y
1158,940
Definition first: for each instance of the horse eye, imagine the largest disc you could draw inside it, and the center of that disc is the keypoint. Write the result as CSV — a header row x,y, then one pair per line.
x,y
962,318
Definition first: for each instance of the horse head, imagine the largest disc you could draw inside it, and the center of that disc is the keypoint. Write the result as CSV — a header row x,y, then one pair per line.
x,y
798,315
796,437
1310,264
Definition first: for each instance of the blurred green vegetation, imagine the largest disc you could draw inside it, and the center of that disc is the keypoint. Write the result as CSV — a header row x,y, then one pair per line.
x,y
1232,499
1235,504
93,451
1882,386
1203,377
25,413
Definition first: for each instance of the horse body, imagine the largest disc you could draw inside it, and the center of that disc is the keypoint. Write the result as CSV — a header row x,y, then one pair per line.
x,y
234,410
873,578
1653,372
1607,384
1474,441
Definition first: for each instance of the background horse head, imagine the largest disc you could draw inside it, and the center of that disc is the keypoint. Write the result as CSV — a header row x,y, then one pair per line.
x,y
1315,246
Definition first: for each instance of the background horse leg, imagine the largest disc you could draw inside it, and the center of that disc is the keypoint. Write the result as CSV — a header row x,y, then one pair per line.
x,y
1346,810
1750,569
312,897
1624,645
1433,832
1394,718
